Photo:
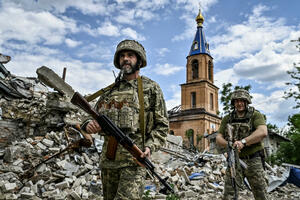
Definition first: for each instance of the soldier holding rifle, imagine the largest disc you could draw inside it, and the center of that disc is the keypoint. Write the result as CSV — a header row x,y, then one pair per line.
x,y
136,105
249,129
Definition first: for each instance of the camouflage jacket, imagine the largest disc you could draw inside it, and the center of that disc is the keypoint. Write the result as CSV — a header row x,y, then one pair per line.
x,y
121,105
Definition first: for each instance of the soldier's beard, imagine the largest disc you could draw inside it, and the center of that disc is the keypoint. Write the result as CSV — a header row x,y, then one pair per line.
x,y
129,69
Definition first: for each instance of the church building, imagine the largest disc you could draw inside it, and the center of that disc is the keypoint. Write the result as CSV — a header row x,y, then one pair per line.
x,y
197,116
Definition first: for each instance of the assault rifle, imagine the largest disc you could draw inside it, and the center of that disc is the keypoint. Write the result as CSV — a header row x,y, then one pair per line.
x,y
231,161
234,161
51,79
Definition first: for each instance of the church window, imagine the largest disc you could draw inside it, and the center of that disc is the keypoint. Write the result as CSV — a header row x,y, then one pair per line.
x,y
210,75
195,45
211,101
195,69
190,136
193,99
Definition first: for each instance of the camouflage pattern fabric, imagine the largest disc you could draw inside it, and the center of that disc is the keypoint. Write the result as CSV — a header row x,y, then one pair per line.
x,y
256,178
240,94
123,183
121,105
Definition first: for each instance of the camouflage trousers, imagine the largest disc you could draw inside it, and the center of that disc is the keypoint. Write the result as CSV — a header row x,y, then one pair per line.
x,y
123,183
256,177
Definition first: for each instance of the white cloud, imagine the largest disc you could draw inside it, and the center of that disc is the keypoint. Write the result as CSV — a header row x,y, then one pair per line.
x,y
152,4
162,51
263,46
82,76
29,27
274,106
126,17
225,76
108,29
166,69
128,32
190,29
57,6
72,43
175,100
240,40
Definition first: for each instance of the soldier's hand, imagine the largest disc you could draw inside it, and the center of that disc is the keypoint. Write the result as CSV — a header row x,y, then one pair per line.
x,y
239,145
93,127
146,153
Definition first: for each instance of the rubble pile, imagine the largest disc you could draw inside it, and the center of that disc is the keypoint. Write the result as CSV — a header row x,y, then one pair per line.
x,y
76,174
36,116
73,175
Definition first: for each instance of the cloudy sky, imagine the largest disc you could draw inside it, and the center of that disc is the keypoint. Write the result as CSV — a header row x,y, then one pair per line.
x,y
249,41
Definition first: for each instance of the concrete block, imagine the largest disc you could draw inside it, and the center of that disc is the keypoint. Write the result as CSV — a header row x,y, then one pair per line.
x,y
17,162
88,166
87,159
62,185
34,188
75,195
41,146
27,195
85,194
48,143
9,187
11,196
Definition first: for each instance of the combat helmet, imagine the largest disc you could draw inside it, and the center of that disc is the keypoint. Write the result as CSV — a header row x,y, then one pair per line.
x,y
240,94
133,46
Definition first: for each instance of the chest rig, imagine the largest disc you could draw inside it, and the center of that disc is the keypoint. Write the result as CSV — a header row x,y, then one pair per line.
x,y
242,126
124,105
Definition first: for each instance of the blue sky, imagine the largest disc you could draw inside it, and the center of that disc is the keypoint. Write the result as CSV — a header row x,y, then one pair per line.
x,y
249,41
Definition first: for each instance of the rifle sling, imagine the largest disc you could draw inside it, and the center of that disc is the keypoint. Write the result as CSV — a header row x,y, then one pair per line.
x,y
99,92
142,110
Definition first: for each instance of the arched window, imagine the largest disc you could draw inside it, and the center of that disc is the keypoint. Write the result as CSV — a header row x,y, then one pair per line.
x,y
195,45
195,69
190,136
210,72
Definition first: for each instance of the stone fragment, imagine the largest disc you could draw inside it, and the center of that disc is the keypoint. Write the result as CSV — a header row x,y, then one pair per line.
x,y
41,146
48,143
75,195
62,185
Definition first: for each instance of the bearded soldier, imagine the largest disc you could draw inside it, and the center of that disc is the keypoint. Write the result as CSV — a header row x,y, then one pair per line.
x,y
136,105
249,129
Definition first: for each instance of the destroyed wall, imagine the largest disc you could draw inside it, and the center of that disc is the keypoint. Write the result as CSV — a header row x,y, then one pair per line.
x,y
28,108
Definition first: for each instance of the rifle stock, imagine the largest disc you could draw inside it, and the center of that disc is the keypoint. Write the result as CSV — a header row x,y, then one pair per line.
x,y
111,129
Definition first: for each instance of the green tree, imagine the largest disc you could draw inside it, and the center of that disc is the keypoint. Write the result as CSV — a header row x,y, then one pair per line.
x,y
289,152
294,91
273,127
226,95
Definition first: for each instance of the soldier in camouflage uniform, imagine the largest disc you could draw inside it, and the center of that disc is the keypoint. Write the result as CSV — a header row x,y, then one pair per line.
x,y
249,131
122,177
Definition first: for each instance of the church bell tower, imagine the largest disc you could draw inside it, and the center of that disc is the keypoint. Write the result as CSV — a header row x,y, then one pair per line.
x,y
198,114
